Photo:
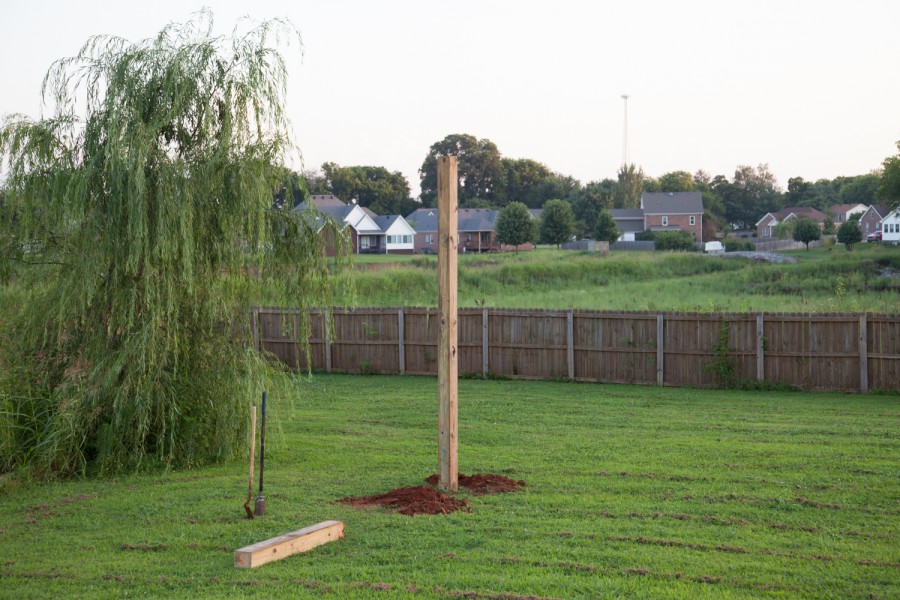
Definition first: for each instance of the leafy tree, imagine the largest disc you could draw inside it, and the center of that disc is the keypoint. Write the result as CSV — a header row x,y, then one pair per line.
x,y
861,189
515,225
889,186
383,191
589,202
628,192
673,240
605,229
153,177
785,229
751,194
557,222
555,186
849,233
521,176
478,168
806,230
828,226
676,181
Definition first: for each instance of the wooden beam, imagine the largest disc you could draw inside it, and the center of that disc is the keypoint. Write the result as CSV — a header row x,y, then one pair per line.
x,y
448,358
760,349
485,350
327,331
570,344
401,334
660,351
302,540
863,355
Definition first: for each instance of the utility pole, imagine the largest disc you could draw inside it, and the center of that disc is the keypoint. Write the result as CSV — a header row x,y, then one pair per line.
x,y
625,133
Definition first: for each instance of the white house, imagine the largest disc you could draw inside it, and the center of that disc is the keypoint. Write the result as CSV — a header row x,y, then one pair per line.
x,y
366,233
890,227
398,234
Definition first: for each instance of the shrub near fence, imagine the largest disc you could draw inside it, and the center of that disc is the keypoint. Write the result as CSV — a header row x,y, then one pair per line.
x,y
850,352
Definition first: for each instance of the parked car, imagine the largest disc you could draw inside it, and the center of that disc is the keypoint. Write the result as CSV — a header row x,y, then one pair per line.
x,y
874,237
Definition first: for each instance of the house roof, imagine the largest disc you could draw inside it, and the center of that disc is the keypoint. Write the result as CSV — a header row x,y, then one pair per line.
x,y
882,210
468,219
385,222
321,201
800,211
626,213
628,220
672,203
845,208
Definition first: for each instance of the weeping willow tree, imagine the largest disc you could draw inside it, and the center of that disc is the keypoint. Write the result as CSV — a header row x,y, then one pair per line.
x,y
145,202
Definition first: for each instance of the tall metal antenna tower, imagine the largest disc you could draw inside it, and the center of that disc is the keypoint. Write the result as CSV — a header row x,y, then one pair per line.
x,y
625,133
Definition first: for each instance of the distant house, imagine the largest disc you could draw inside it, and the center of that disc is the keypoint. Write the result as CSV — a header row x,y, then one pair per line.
x,y
673,211
398,234
765,227
629,221
871,221
367,235
476,226
890,227
843,212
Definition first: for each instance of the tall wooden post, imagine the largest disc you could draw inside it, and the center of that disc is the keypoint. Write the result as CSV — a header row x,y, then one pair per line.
x,y
448,358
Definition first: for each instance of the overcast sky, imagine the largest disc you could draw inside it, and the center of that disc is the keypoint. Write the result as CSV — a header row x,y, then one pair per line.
x,y
810,87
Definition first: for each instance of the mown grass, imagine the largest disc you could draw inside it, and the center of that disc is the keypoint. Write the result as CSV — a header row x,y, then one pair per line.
x,y
639,492
865,280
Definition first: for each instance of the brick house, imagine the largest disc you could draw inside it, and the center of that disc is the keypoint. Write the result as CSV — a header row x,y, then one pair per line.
x,y
871,220
476,226
765,227
673,211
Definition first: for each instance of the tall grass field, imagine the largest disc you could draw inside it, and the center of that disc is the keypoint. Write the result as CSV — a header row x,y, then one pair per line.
x,y
864,280
638,492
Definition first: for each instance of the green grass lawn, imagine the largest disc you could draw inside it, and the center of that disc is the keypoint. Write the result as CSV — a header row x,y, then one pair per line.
x,y
638,492
864,280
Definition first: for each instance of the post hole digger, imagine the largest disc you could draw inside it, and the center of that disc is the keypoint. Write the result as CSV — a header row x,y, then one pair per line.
x,y
252,460
260,508
260,505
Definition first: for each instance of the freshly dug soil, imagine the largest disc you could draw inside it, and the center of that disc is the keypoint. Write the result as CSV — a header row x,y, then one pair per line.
x,y
420,500
483,483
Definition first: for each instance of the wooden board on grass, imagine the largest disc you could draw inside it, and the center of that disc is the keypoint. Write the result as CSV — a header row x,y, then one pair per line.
x,y
285,545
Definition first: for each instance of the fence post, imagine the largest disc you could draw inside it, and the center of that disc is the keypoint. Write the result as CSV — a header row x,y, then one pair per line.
x,y
448,358
485,367
327,331
660,350
254,327
402,352
570,343
760,349
863,355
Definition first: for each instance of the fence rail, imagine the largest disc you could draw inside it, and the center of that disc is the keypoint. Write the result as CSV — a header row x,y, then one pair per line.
x,y
847,352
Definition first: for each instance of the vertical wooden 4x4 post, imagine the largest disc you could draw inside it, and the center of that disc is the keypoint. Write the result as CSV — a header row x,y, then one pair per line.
x,y
448,357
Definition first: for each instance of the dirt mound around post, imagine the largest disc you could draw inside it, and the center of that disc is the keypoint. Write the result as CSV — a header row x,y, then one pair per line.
x,y
483,483
420,500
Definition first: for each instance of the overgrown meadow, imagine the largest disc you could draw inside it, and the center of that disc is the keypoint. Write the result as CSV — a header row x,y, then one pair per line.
x,y
640,492
864,280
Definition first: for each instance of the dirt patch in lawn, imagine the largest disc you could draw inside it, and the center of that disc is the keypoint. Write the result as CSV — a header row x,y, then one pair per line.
x,y
419,500
425,500
483,483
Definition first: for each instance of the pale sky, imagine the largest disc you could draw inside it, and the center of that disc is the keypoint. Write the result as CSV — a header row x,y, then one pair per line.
x,y
810,87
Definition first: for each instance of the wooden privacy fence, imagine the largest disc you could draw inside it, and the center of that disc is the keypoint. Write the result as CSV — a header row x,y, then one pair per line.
x,y
848,352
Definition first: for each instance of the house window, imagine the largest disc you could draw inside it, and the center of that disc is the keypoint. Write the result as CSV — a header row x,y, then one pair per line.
x,y
429,238
693,220
468,237
407,239
665,221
